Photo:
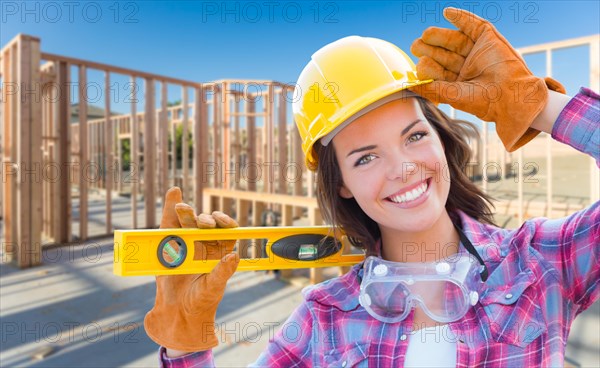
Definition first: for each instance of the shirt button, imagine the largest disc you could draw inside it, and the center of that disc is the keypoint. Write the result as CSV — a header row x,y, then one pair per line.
x,y
403,337
508,296
344,364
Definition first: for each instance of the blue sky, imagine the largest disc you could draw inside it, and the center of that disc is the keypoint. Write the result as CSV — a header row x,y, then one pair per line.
x,y
204,41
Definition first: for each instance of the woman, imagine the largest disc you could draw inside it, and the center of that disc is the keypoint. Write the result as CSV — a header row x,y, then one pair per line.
x,y
389,169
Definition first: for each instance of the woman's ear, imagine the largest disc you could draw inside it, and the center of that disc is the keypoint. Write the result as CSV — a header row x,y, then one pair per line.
x,y
345,193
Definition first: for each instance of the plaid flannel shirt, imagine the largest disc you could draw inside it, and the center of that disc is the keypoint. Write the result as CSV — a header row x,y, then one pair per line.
x,y
542,275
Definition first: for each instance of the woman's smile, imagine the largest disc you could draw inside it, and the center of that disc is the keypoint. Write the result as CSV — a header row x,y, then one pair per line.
x,y
412,196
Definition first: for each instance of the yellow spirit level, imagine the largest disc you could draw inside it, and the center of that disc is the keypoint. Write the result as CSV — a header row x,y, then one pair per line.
x,y
172,251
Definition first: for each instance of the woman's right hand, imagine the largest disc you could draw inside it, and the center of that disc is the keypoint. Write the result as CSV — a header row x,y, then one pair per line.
x,y
183,316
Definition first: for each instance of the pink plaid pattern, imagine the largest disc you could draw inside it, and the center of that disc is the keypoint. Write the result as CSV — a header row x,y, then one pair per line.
x,y
542,276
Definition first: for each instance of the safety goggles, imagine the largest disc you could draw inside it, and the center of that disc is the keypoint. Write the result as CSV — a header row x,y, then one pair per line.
x,y
444,290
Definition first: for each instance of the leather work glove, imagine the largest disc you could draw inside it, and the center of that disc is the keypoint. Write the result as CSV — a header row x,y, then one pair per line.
x,y
476,70
184,311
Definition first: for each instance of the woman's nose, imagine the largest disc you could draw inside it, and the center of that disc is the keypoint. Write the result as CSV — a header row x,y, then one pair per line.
x,y
401,167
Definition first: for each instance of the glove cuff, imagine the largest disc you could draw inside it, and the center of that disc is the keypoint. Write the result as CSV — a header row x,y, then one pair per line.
x,y
530,133
175,335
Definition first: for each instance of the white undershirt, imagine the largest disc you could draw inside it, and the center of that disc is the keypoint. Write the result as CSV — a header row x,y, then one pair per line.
x,y
431,347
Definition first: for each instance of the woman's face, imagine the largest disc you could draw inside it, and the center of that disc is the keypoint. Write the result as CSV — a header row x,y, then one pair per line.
x,y
393,164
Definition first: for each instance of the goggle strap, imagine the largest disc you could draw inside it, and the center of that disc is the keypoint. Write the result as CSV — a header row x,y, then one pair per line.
x,y
471,249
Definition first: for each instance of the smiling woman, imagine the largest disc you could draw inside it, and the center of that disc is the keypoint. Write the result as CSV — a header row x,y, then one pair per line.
x,y
390,172
433,155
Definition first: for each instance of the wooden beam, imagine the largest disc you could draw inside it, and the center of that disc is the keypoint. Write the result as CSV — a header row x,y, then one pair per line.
x,y
225,136
200,147
83,155
251,154
116,69
282,199
30,153
185,151
62,212
269,132
163,144
108,157
282,143
298,161
216,149
150,155
134,161
237,144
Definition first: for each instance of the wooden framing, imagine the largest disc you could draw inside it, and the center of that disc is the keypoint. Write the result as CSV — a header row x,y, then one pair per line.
x,y
238,139
22,151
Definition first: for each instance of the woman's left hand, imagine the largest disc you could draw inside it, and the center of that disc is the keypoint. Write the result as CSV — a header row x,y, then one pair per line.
x,y
477,70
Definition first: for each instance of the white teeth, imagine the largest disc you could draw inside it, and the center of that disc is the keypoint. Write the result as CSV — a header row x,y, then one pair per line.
x,y
411,195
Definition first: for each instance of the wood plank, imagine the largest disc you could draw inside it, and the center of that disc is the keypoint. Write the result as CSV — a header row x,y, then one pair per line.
x,y
225,136
116,69
252,146
283,199
134,158
269,132
35,146
185,151
150,154
108,157
237,143
286,220
23,155
163,144
200,147
173,150
10,168
242,208
257,209
298,161
282,143
216,149
62,212
83,155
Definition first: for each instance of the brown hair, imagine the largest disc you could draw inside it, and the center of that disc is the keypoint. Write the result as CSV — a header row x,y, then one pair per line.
x,y
362,231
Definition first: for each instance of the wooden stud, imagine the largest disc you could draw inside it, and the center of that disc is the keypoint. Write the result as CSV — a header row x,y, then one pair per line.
x,y
29,139
149,155
216,143
173,130
225,136
134,160
59,203
258,208
163,144
185,151
251,162
270,146
282,143
298,162
286,220
242,208
84,166
108,157
200,147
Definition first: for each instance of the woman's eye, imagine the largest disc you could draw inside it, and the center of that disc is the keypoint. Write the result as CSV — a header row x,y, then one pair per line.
x,y
417,136
364,160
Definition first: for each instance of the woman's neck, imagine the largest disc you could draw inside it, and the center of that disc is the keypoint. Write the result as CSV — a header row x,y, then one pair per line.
x,y
439,241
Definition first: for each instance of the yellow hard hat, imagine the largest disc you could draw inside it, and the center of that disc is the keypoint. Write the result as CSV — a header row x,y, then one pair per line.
x,y
343,81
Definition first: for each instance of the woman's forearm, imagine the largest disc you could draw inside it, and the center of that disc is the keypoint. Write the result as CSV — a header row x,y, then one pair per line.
x,y
546,119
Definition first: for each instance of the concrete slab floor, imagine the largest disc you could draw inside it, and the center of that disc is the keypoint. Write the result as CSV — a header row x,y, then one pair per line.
x,y
73,312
